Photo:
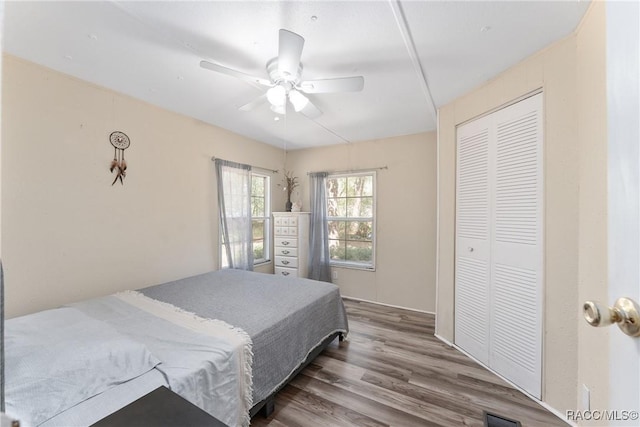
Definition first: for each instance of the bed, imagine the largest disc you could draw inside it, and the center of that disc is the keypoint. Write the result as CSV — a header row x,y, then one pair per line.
x,y
227,341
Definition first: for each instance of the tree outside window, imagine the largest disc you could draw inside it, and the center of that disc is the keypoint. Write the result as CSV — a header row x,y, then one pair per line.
x,y
351,211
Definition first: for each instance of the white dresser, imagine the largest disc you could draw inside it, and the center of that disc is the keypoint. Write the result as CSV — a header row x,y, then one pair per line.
x,y
291,243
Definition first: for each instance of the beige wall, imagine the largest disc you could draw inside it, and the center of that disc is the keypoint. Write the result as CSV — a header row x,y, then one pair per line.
x,y
575,233
405,217
593,367
67,234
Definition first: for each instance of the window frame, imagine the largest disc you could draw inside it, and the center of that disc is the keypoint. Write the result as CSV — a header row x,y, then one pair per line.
x,y
354,264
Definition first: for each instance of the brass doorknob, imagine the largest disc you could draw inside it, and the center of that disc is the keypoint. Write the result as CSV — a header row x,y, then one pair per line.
x,y
625,312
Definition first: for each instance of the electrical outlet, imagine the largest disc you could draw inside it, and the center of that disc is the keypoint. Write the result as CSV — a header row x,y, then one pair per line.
x,y
334,275
586,398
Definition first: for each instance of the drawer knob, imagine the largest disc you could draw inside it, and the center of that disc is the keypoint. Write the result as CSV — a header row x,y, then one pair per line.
x,y
285,243
285,273
285,252
285,262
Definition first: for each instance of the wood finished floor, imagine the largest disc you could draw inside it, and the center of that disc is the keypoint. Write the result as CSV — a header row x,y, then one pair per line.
x,y
392,371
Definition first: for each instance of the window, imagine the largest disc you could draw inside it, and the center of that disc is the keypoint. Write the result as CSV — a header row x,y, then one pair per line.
x,y
351,219
260,220
260,217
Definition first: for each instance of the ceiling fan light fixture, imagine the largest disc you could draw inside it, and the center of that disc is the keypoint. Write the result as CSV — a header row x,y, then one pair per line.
x,y
298,100
277,96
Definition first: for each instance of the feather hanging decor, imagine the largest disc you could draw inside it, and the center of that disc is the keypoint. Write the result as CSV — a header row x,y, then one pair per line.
x,y
114,162
120,142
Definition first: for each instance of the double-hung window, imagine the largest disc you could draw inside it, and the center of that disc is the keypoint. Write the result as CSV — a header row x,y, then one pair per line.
x,y
260,220
351,219
261,217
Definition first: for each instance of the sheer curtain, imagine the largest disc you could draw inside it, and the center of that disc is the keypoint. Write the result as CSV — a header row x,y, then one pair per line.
x,y
319,268
234,203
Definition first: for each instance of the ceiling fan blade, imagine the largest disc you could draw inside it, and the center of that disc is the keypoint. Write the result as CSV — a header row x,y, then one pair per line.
x,y
253,104
289,53
240,75
310,111
343,84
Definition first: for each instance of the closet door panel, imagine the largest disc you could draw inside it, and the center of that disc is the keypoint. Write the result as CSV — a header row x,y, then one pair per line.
x,y
472,241
499,242
516,250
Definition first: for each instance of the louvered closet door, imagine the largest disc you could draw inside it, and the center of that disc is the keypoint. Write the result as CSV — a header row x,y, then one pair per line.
x,y
472,241
499,247
517,248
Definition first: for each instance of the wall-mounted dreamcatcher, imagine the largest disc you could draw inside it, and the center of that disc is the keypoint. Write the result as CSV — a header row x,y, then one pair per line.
x,y
120,142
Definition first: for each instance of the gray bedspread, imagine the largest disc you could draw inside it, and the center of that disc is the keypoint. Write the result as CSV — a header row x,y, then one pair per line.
x,y
286,318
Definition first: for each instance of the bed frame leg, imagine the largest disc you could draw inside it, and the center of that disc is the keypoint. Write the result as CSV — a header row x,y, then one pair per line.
x,y
341,337
268,408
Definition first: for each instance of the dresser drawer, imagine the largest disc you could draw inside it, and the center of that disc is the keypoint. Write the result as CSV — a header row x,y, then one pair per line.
x,y
286,261
286,242
285,251
285,221
286,272
285,231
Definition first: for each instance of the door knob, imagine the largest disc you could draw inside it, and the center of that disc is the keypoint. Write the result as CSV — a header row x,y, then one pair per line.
x,y
625,312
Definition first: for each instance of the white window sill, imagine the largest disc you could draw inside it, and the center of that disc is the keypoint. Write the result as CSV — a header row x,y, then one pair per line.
x,y
265,262
352,266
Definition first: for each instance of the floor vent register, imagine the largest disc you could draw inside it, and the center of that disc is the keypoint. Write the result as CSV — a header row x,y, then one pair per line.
x,y
492,420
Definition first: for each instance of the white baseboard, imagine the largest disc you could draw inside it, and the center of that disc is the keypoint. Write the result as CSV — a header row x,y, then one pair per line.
x,y
444,340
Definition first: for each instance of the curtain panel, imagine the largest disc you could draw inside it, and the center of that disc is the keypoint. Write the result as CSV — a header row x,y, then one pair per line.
x,y
234,204
319,268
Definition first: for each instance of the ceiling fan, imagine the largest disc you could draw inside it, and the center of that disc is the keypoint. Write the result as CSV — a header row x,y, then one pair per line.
x,y
285,80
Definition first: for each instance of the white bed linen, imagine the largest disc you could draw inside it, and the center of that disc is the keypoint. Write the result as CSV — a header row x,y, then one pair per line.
x,y
223,384
59,358
206,361
93,410
199,359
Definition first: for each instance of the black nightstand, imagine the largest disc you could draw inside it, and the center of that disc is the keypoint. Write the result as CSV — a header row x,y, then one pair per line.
x,y
160,408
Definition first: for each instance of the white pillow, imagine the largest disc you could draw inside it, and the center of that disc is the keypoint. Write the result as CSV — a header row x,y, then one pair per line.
x,y
58,358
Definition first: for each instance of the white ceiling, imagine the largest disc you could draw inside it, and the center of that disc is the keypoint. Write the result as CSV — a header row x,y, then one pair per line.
x,y
152,51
